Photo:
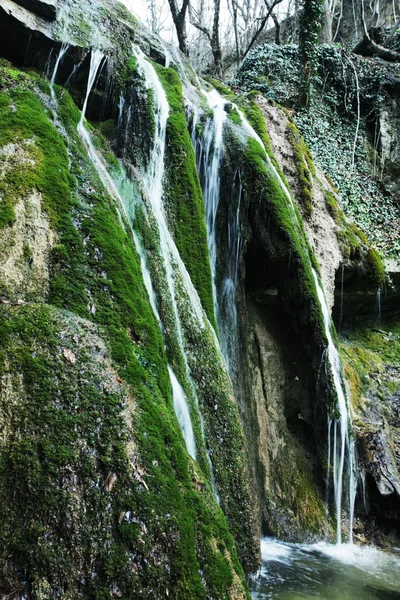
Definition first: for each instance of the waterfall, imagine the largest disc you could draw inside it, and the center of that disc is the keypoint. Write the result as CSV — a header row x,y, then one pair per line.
x,y
121,189
61,54
342,445
154,182
74,71
228,323
209,151
252,133
341,296
95,62
208,156
182,413
208,148
121,105
378,305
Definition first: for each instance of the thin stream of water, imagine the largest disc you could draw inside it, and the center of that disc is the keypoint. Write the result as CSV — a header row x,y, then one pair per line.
x,y
61,54
153,179
342,447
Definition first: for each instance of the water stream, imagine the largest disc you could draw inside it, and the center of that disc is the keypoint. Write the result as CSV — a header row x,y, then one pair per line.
x,y
153,182
61,54
209,149
342,446
378,305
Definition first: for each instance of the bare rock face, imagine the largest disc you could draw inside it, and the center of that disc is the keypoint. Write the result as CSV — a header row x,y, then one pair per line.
x,y
44,8
25,246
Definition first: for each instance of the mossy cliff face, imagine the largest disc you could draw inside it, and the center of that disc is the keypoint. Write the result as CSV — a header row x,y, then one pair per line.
x,y
99,496
284,394
280,325
372,362
280,334
353,131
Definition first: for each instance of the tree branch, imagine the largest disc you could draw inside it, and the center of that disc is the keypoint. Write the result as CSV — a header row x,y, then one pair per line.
x,y
262,25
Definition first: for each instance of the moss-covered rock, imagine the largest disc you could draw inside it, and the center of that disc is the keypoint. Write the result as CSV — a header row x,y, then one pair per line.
x,y
99,495
185,204
372,362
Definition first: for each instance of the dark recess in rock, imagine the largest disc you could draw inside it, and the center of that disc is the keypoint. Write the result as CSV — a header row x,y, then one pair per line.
x,y
43,8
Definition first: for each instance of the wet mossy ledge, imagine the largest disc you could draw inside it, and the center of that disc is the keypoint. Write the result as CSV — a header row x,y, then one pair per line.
x,y
185,204
99,496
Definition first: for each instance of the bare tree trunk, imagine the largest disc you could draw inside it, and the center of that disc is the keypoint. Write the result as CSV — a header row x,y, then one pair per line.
x,y
369,46
328,17
277,28
179,19
213,35
215,40
235,28
309,29
261,26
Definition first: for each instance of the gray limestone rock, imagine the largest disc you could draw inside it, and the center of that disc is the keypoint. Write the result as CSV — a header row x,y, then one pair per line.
x,y
44,8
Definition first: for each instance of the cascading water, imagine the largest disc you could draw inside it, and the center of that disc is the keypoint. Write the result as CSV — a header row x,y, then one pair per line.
x,y
209,149
63,51
208,157
182,413
154,180
95,62
228,316
342,445
341,296
173,264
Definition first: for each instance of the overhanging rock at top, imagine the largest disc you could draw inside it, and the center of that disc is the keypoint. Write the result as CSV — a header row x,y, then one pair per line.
x,y
44,8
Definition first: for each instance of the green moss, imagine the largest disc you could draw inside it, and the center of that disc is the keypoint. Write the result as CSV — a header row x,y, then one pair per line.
x,y
185,205
354,241
369,356
71,426
223,89
257,121
359,363
333,207
47,167
264,185
376,267
130,67
305,167
234,116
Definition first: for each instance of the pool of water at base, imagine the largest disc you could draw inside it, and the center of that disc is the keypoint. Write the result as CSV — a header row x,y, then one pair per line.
x,y
326,572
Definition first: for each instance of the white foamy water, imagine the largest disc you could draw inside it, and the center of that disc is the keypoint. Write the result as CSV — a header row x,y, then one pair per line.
x,y
326,572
